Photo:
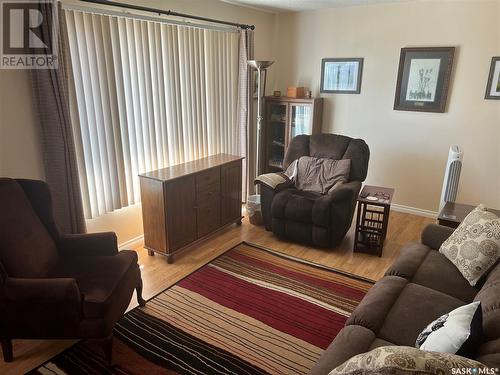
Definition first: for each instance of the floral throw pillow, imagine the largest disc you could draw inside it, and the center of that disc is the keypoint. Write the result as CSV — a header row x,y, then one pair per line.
x,y
405,360
474,247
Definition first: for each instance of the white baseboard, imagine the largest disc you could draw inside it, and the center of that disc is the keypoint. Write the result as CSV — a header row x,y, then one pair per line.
x,y
414,211
132,243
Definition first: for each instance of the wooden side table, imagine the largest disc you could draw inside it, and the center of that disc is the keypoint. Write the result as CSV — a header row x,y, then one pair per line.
x,y
453,214
372,218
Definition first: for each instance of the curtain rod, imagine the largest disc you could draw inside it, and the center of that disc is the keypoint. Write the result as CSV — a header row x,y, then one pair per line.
x,y
168,13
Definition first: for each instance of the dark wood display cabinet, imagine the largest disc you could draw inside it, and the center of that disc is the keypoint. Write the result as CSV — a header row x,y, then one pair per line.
x,y
286,118
187,202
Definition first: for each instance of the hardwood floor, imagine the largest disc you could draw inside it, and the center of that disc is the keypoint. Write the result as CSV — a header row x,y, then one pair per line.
x,y
158,275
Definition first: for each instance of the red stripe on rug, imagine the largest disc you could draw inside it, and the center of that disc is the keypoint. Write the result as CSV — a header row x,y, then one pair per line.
x,y
341,289
307,321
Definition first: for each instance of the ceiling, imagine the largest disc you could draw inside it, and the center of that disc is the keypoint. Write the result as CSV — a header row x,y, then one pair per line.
x,y
280,6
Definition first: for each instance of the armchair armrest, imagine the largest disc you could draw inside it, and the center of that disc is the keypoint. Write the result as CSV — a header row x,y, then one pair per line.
x,y
347,190
89,244
270,185
284,185
274,181
434,235
337,209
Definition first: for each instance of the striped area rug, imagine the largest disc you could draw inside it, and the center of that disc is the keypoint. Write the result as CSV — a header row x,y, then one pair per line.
x,y
250,311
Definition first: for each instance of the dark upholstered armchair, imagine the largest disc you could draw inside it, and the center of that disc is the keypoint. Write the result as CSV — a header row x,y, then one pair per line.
x,y
309,217
55,286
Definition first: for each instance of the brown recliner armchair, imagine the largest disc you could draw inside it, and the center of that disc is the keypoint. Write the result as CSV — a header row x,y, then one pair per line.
x,y
309,217
55,286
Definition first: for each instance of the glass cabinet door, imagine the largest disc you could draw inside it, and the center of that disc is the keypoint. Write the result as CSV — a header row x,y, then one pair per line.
x,y
301,120
277,116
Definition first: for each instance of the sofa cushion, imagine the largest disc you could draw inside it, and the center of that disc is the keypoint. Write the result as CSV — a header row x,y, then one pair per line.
x,y
414,309
378,342
376,304
489,295
489,353
474,247
26,248
404,360
409,260
397,311
100,279
422,265
350,341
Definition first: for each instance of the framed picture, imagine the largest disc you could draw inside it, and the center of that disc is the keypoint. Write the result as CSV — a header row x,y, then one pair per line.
x,y
423,79
341,75
493,86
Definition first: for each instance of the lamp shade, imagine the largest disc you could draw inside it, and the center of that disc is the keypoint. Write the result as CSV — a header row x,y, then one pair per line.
x,y
260,64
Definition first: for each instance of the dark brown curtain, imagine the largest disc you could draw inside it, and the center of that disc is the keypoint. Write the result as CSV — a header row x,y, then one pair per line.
x,y
50,90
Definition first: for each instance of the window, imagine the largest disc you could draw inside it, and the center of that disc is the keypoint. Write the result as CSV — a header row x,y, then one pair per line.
x,y
147,95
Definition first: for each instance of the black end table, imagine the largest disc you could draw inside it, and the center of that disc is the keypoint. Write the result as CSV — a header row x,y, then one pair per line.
x,y
372,218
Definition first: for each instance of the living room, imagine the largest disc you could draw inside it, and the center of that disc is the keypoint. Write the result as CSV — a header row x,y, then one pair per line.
x,y
156,106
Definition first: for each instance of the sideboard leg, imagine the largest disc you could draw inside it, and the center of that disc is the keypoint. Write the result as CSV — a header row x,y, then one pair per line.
x,y
7,350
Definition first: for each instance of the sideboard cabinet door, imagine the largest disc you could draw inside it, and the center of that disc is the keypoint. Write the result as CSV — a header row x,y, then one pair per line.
x,y
230,192
181,212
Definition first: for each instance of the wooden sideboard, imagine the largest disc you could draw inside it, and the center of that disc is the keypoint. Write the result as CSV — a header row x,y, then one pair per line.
x,y
187,202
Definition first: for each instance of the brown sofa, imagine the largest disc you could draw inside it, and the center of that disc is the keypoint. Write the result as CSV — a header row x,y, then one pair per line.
x,y
55,286
309,217
419,287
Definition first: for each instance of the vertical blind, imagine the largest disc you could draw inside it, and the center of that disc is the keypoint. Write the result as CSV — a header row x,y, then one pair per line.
x,y
147,95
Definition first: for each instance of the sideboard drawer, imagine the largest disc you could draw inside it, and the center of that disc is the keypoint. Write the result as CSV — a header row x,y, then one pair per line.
x,y
208,216
207,193
208,178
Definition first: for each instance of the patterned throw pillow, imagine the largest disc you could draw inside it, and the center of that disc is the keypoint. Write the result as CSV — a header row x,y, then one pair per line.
x,y
474,247
405,360
458,332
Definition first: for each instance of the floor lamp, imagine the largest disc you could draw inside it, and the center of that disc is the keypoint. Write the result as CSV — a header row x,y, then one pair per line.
x,y
260,66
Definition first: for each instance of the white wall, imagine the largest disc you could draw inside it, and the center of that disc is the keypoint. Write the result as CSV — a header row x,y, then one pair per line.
x,y
20,151
408,149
